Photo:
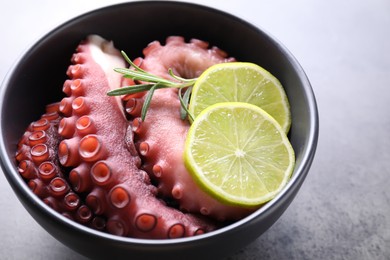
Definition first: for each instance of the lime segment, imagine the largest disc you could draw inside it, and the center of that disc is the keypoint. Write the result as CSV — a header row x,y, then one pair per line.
x,y
238,154
241,82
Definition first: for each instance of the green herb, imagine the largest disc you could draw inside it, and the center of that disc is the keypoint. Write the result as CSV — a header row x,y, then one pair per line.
x,y
152,82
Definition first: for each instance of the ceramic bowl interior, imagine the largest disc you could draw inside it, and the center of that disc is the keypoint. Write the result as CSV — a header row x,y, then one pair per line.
x,y
37,77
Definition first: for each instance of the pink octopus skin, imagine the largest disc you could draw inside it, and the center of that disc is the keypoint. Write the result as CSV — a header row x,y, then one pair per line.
x,y
39,166
161,136
98,149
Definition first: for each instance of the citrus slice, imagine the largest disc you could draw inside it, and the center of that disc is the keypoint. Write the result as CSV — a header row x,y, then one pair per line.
x,y
241,82
238,154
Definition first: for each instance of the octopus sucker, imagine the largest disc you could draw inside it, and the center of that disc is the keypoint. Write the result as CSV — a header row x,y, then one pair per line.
x,y
66,106
133,106
47,170
38,187
72,201
77,87
146,222
37,137
97,201
68,152
91,148
27,169
66,127
58,187
80,178
101,173
85,125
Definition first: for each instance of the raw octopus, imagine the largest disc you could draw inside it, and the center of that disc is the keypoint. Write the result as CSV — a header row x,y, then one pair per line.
x,y
94,163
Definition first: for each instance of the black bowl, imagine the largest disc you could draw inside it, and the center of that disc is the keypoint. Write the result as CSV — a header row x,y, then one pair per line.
x,y
37,78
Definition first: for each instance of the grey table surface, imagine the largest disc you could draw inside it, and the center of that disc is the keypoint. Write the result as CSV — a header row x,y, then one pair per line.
x,y
343,209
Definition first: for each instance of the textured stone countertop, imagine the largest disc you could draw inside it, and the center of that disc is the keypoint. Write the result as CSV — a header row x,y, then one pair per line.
x,y
343,209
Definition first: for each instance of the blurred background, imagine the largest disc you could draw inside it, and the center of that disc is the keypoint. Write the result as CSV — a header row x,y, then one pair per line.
x,y
343,208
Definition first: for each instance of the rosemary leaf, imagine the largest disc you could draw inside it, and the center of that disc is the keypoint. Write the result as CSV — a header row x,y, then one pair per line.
x,y
184,104
142,76
130,62
130,89
147,101
184,82
173,75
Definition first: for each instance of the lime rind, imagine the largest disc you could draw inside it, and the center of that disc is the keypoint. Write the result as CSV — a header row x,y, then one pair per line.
x,y
249,176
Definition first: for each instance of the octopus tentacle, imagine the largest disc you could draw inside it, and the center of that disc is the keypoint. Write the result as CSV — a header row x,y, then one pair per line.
x,y
188,60
164,128
39,165
101,155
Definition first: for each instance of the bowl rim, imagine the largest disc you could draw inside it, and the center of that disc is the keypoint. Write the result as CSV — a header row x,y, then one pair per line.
x,y
300,171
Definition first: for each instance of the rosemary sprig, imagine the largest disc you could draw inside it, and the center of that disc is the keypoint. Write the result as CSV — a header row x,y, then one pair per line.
x,y
152,82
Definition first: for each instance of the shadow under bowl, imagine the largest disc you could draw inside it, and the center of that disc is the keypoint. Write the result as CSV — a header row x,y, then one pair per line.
x,y
37,77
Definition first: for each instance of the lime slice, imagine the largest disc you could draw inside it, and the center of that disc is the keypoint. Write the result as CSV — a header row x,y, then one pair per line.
x,y
241,82
238,154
